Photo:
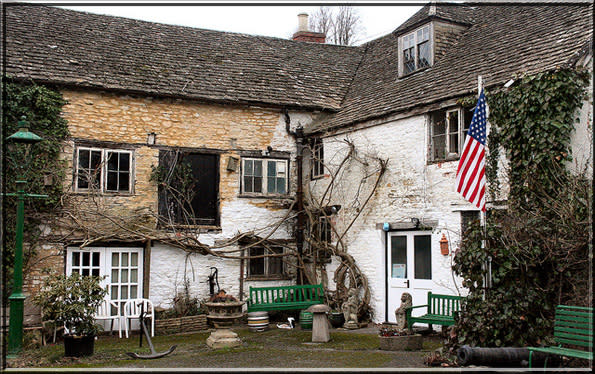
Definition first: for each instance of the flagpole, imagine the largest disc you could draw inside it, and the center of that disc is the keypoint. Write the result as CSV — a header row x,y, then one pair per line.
x,y
488,266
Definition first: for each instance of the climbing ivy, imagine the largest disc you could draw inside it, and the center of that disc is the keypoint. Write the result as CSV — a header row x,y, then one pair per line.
x,y
45,172
539,245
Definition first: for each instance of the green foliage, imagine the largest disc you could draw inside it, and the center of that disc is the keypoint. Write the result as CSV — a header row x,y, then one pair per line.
x,y
42,106
539,246
534,121
71,300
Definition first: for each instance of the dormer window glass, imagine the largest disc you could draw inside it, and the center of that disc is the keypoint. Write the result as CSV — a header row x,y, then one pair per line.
x,y
416,50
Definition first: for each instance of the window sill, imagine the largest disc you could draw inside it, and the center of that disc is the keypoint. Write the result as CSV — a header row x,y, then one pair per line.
x,y
316,177
104,193
405,75
259,196
267,278
449,159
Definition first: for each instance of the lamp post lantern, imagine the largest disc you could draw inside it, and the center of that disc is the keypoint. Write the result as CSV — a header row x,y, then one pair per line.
x,y
22,138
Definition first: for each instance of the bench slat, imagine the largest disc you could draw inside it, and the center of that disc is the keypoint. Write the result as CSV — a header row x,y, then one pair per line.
x,y
573,330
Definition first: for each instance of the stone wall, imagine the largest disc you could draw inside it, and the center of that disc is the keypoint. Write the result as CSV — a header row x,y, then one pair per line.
x,y
114,120
182,324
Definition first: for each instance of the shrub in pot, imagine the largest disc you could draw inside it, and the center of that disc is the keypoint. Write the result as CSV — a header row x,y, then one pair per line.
x,y
72,301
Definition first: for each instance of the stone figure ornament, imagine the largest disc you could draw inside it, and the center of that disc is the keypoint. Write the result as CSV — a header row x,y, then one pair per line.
x,y
349,309
401,312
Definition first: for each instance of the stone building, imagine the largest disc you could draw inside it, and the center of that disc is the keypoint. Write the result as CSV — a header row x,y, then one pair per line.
x,y
234,106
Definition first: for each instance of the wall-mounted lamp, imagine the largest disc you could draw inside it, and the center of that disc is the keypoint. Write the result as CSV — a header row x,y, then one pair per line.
x,y
415,221
151,138
444,246
232,163
386,226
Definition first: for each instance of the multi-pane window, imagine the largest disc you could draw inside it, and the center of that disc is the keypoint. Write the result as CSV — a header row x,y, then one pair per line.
x,y
264,176
317,159
121,269
265,266
416,52
448,130
467,217
104,170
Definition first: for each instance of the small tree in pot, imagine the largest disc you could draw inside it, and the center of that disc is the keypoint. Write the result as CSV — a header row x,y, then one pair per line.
x,y
72,301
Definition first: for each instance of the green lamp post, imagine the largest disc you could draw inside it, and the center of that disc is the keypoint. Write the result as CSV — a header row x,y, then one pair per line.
x,y
21,139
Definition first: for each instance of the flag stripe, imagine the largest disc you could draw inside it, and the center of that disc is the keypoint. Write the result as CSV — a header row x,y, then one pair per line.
x,y
471,179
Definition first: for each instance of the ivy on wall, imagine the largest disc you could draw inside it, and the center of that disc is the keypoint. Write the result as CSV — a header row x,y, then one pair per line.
x,y
45,171
539,246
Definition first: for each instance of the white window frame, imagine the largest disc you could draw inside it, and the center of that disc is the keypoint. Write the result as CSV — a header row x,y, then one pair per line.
x,y
317,159
266,260
414,37
265,162
106,268
461,130
103,169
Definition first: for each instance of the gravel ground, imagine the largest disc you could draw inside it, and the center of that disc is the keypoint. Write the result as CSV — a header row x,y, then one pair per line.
x,y
274,348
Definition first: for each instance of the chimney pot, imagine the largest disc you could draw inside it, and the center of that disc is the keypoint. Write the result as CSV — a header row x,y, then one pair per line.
x,y
303,22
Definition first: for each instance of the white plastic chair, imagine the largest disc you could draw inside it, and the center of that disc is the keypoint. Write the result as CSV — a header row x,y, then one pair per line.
x,y
104,313
132,310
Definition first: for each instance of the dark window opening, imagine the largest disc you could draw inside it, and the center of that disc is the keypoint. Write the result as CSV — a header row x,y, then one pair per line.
x,y
317,159
189,188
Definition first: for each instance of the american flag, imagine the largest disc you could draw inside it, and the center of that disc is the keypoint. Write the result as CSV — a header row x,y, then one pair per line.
x,y
471,179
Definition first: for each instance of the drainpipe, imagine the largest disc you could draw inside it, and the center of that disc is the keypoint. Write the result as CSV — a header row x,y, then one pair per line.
x,y
298,135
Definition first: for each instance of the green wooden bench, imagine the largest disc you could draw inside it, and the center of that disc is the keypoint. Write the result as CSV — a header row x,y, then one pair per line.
x,y
284,297
440,310
573,332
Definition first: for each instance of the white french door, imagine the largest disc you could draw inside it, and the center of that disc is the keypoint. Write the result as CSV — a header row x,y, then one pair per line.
x,y
409,268
121,266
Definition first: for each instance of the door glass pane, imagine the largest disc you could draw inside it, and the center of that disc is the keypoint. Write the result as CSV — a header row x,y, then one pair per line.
x,y
133,276
86,257
124,291
124,276
95,272
115,276
115,258
85,272
76,259
114,293
133,290
124,259
422,257
95,261
398,245
134,259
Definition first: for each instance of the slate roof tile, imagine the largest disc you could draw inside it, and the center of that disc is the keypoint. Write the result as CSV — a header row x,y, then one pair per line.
x,y
69,47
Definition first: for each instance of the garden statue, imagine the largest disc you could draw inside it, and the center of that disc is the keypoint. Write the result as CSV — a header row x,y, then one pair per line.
x,y
401,312
349,309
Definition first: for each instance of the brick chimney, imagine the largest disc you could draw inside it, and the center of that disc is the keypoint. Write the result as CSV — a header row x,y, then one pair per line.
x,y
304,34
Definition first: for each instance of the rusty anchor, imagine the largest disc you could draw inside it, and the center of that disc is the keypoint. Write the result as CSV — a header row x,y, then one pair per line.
x,y
142,317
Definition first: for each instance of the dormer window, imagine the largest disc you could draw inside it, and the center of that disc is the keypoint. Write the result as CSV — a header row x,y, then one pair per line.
x,y
416,50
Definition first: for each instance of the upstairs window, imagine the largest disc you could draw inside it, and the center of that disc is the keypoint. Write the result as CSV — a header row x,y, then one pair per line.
x,y
188,188
416,52
448,129
317,159
264,176
103,170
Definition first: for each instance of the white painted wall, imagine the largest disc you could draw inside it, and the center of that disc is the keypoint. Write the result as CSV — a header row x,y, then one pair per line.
x,y
410,188
582,138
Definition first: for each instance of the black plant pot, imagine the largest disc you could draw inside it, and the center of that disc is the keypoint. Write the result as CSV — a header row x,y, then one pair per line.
x,y
336,319
78,346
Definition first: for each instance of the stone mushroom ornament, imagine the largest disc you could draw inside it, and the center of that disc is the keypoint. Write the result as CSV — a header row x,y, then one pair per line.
x,y
320,331
401,312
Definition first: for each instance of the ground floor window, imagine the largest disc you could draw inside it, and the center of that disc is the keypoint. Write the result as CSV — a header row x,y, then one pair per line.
x,y
121,268
265,267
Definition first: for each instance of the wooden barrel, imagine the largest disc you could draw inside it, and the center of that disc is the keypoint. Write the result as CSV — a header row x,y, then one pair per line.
x,y
258,321
305,320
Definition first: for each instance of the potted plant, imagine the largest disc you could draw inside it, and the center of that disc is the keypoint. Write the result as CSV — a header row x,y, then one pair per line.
x,y
396,339
72,301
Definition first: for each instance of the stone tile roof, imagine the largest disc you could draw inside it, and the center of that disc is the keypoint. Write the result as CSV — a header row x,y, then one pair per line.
x,y
358,83
70,47
504,40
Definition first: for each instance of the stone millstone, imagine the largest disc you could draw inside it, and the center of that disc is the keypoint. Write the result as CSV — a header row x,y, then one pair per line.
x,y
223,338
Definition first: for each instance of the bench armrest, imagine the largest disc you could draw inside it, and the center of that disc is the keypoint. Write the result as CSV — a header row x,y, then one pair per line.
x,y
417,306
